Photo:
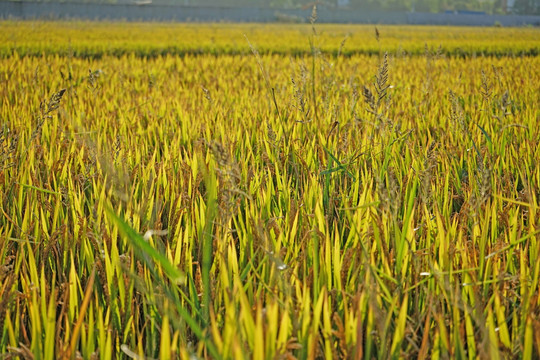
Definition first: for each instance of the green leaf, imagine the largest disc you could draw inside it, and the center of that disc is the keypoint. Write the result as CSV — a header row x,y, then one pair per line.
x,y
139,242
339,167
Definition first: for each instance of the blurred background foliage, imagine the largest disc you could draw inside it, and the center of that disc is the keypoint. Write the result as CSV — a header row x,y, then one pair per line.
x,y
526,7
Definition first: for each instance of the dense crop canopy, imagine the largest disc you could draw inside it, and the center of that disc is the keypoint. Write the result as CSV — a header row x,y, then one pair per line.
x,y
231,200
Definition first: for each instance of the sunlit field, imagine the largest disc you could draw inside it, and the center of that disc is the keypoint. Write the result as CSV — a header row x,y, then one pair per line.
x,y
269,191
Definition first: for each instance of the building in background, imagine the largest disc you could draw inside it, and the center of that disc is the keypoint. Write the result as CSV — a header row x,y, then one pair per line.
x,y
508,6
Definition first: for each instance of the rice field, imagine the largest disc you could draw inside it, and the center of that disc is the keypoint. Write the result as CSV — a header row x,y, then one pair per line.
x,y
225,191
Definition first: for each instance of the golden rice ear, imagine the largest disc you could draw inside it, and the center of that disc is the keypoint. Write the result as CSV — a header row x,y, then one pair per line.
x,y
313,16
54,101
